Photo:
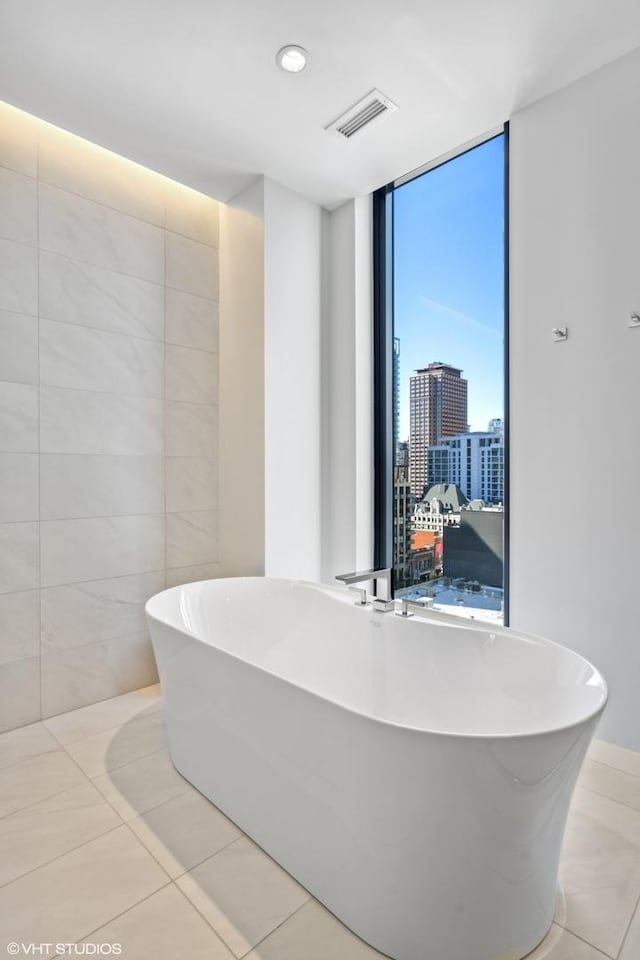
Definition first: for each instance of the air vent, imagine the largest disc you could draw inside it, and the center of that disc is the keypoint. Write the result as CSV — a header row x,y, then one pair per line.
x,y
361,114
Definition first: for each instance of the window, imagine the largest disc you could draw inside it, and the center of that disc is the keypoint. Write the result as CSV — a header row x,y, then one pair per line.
x,y
441,279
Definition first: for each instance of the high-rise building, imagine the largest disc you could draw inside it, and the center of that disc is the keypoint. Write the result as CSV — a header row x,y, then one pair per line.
x,y
401,464
496,426
474,461
402,513
438,408
396,397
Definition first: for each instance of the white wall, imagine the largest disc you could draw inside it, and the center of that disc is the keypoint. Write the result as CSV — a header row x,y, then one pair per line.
x,y
347,466
575,446
293,304
296,458
242,503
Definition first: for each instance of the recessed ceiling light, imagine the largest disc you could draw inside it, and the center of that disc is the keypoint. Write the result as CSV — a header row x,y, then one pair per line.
x,y
292,58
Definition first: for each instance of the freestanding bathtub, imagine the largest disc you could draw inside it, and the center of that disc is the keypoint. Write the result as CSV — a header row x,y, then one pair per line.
x,y
414,775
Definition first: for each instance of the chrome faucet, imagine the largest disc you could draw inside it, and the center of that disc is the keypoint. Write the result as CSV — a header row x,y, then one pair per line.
x,y
404,604
381,599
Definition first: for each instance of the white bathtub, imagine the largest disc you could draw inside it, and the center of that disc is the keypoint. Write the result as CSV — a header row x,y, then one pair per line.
x,y
414,775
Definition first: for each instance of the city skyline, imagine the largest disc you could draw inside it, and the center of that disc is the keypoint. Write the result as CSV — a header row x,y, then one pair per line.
x,y
449,224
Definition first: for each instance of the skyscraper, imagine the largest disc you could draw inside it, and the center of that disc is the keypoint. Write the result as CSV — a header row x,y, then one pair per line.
x,y
473,461
438,408
396,398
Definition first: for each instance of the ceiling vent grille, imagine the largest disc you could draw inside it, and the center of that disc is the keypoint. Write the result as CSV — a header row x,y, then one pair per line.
x,y
361,114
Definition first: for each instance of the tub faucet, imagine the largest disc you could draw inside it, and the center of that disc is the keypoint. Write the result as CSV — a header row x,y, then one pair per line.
x,y
381,599
404,604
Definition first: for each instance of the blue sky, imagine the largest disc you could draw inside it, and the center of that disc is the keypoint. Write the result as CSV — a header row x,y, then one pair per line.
x,y
449,269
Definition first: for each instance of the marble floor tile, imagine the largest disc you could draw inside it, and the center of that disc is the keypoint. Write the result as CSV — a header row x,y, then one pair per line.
x,y
79,892
183,832
600,870
19,693
98,717
609,782
615,756
243,894
165,926
26,743
35,778
142,784
631,946
115,748
48,829
315,934
559,944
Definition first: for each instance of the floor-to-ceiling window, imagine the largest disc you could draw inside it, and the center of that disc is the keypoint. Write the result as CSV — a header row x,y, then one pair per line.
x,y
441,435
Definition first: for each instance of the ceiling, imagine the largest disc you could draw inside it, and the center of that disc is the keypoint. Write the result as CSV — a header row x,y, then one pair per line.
x,y
190,87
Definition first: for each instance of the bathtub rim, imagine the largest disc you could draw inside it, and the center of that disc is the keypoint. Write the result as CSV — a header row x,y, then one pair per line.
x,y
475,626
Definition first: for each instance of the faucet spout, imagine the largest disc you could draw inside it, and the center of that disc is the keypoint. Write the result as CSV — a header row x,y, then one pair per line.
x,y
406,605
381,580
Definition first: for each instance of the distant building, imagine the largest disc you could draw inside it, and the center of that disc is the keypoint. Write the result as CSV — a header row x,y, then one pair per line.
x,y
402,513
422,560
426,555
473,461
401,461
439,508
438,408
474,549
496,426
396,396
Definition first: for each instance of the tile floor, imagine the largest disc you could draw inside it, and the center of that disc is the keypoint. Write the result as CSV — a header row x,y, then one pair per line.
x,y
103,842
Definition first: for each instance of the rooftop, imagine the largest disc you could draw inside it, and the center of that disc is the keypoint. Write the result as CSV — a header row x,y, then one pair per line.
x,y
438,365
449,494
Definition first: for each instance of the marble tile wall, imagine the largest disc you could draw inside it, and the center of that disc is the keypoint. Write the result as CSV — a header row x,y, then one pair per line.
x,y
108,413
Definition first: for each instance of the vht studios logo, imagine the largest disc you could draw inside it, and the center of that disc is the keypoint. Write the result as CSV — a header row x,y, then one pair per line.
x,y
64,949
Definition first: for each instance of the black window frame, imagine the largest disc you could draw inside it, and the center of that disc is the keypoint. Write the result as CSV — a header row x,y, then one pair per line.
x,y
383,293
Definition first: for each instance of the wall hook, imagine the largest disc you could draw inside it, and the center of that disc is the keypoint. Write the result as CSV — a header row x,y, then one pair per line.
x,y
560,334
634,319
